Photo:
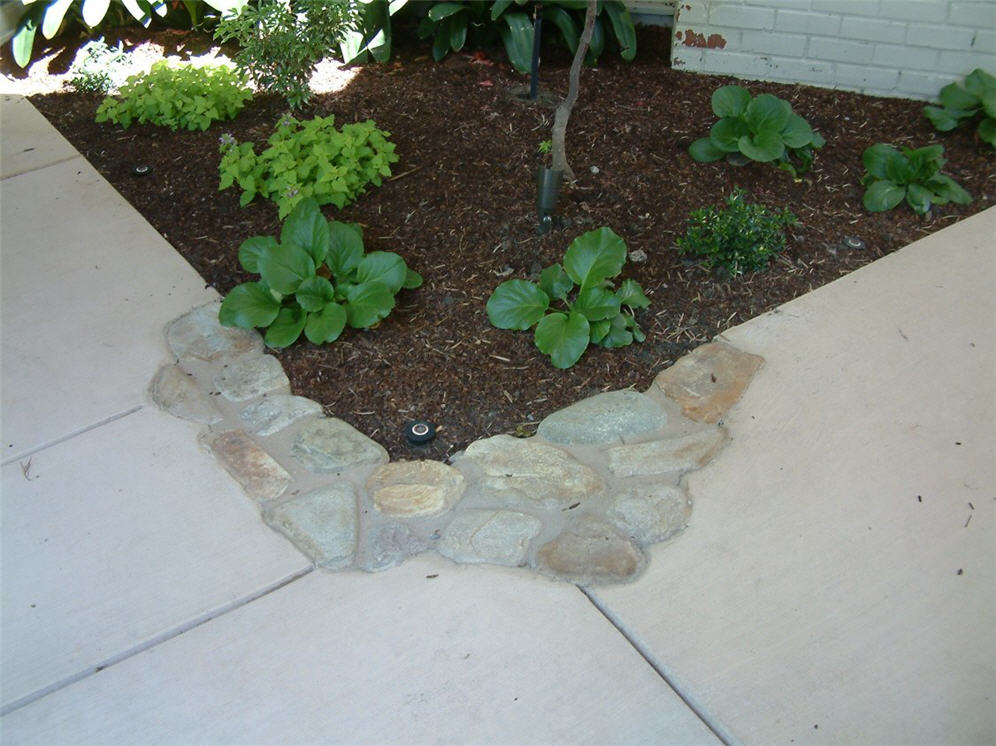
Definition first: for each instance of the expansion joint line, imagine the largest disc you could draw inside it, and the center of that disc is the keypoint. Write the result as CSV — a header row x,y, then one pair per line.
x,y
647,656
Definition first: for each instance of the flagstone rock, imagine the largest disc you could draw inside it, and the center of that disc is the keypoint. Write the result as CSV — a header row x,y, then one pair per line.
x,y
709,380
611,417
198,334
415,488
680,454
260,475
175,391
499,537
273,413
652,513
247,379
322,524
532,470
330,445
390,545
591,551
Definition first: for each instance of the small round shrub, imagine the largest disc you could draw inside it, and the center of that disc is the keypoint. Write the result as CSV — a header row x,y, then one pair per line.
x,y
742,237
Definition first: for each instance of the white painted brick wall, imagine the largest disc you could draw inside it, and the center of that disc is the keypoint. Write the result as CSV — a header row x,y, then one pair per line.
x,y
903,48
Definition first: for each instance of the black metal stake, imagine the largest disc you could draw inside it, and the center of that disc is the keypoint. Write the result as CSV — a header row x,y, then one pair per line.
x,y
537,31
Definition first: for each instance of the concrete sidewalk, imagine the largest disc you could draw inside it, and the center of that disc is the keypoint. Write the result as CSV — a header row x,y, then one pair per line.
x,y
837,583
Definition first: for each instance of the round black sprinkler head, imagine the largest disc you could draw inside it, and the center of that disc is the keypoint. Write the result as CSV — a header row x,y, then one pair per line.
x,y
853,242
418,432
141,170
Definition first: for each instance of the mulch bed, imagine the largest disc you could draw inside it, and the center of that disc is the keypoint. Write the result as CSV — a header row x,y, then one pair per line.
x,y
460,210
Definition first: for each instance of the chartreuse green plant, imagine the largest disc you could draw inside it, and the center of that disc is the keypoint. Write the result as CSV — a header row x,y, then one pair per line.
x,y
740,238
963,103
762,128
892,176
309,158
177,96
314,279
568,321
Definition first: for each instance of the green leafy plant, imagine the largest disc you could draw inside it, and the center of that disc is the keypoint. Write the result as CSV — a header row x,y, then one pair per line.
x,y
315,279
739,238
280,41
595,314
963,103
451,24
51,16
308,158
914,175
762,128
181,96
100,68
370,32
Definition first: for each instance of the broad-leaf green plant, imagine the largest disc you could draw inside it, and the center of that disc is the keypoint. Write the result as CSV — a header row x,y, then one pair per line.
x,y
182,96
309,158
316,279
51,16
762,128
575,303
281,41
370,32
741,237
452,24
892,176
976,98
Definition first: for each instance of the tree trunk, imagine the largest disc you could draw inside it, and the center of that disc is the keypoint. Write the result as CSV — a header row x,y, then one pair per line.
x,y
564,108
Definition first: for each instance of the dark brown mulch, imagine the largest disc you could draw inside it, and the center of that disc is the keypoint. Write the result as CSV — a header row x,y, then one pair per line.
x,y
461,212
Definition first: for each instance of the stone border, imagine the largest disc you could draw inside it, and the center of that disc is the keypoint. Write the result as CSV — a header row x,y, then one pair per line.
x,y
580,501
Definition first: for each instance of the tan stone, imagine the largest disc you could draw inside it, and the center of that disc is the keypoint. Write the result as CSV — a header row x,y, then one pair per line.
x,y
709,380
175,391
591,551
260,475
668,455
532,469
198,334
415,488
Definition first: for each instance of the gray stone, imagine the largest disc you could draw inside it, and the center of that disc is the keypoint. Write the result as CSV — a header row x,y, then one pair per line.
x,y
391,545
322,524
532,469
175,391
500,537
198,334
415,488
247,379
612,417
591,551
681,454
273,413
709,380
652,513
332,446
261,477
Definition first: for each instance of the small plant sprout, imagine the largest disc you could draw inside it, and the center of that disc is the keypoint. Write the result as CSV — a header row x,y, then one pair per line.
x,y
975,98
316,279
574,304
762,129
892,176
